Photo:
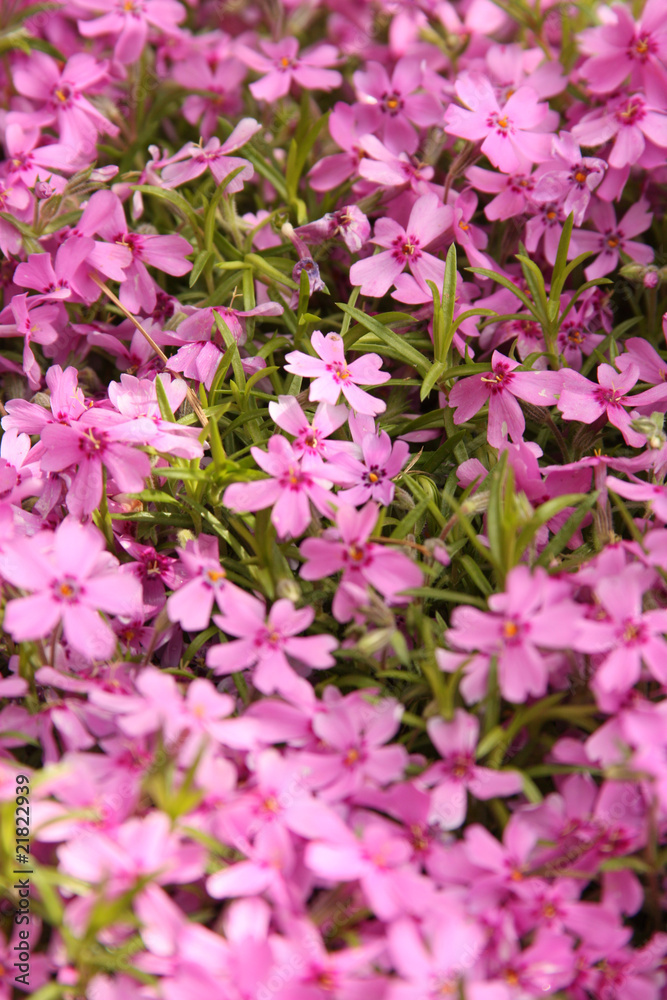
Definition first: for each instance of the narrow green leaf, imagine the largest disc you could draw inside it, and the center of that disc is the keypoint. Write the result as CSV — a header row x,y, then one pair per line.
x,y
405,351
500,279
435,372
558,276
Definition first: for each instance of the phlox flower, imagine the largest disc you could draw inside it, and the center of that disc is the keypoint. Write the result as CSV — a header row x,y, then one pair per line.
x,y
438,970
428,219
513,192
630,121
372,474
66,398
64,276
347,126
626,635
128,22
29,162
270,865
500,387
60,95
583,400
612,237
511,135
312,437
39,325
534,612
346,547
332,374
348,223
137,398
457,772
265,641
282,64
167,253
191,605
289,490
71,578
398,102
352,752
388,169
622,47
569,177
193,159
99,439
155,570
221,78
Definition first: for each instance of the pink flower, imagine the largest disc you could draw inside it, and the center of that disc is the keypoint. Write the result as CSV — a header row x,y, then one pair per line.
x,y
348,223
456,944
629,120
137,398
500,386
311,437
347,126
583,400
191,605
193,159
571,179
283,65
386,168
622,48
334,375
288,491
128,22
167,253
513,192
221,78
534,612
34,326
60,94
429,219
395,100
264,642
510,136
346,547
371,476
456,742
98,439
627,635
71,578
612,238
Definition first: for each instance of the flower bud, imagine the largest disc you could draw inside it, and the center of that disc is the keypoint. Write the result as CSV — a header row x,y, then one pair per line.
x,y
289,589
43,190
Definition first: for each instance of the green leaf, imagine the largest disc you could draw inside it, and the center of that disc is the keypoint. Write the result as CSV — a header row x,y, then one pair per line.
x,y
559,273
535,281
435,372
500,279
449,299
563,536
543,514
201,261
165,408
178,202
405,351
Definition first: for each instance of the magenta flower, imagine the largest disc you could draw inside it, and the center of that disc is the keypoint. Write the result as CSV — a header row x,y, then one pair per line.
x,y
128,22
500,387
621,48
535,612
62,277
265,641
613,237
192,604
311,437
569,177
638,489
60,94
429,219
583,400
398,101
511,136
347,126
346,547
193,159
457,772
441,970
333,375
71,578
137,399
288,491
630,121
348,223
381,461
221,79
98,439
167,253
34,326
627,635
281,65
388,169
513,192
29,162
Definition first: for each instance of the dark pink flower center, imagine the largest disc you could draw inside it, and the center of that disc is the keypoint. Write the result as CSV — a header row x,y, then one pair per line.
x,y
499,379
642,47
501,124
512,632
62,96
392,103
295,479
521,184
580,174
132,240
339,371
93,442
460,765
270,637
374,475
357,555
609,396
632,112
406,248
66,590
633,633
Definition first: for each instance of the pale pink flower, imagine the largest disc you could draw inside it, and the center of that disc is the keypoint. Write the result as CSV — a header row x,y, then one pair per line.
x,y
428,220
192,160
333,375
71,578
129,21
614,237
511,135
312,437
282,64
398,102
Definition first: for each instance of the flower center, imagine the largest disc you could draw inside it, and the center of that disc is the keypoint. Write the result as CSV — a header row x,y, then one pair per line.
x,y
357,553
351,757
510,630
63,94
66,591
502,125
285,62
580,176
93,442
612,242
215,575
392,103
632,113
